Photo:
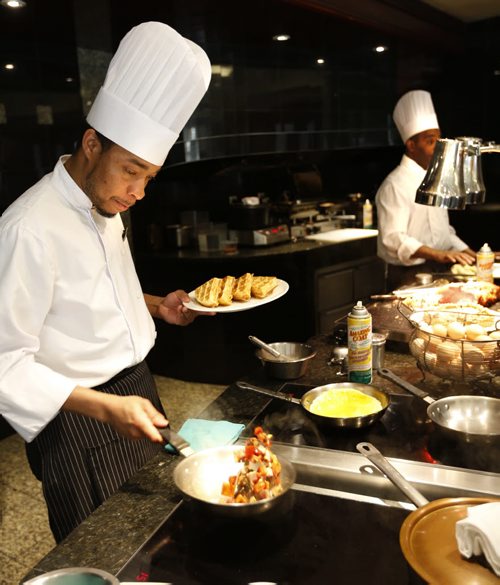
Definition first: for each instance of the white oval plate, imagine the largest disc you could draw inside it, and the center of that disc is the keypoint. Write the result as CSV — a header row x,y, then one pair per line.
x,y
281,289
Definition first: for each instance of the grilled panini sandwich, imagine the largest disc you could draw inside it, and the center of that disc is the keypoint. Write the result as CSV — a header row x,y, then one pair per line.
x,y
243,287
208,293
262,286
226,292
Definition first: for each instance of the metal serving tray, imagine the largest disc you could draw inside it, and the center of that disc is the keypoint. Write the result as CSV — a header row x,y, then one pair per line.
x,y
351,476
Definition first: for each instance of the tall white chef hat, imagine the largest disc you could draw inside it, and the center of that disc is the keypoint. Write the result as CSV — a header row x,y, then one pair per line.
x,y
414,113
153,84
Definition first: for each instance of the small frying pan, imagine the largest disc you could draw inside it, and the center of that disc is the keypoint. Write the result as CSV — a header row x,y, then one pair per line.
x,y
200,475
473,419
353,422
427,535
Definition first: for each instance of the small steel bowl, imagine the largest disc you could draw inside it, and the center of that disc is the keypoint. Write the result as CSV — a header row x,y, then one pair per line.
x,y
299,354
74,576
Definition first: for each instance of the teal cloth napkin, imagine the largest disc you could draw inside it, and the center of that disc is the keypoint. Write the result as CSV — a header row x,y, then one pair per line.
x,y
203,434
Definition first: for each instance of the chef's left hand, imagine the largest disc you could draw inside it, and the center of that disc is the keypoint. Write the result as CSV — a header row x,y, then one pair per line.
x,y
174,312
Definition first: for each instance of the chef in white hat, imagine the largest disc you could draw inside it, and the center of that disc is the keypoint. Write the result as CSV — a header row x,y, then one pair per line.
x,y
412,237
75,326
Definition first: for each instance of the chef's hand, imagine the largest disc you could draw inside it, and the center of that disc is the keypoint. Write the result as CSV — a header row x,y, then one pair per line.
x,y
465,257
171,308
132,417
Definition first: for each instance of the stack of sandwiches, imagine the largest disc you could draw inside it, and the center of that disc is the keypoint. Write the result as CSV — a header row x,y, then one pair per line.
x,y
223,291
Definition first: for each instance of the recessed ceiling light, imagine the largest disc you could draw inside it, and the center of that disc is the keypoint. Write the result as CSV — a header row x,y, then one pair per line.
x,y
381,49
320,61
9,66
13,3
281,38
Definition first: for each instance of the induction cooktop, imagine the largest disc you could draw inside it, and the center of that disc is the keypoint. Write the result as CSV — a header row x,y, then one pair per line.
x,y
314,540
404,432
318,534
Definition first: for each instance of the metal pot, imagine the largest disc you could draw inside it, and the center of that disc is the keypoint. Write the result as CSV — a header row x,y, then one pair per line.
x,y
473,419
427,535
74,576
296,362
353,422
200,477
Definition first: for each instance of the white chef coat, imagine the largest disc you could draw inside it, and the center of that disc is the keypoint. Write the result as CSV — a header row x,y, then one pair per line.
x,y
72,310
404,225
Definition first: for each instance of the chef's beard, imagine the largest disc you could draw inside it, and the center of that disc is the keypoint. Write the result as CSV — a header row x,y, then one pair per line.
x,y
104,213
90,190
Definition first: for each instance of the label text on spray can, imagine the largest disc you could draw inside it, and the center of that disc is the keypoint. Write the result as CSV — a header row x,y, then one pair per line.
x,y
360,351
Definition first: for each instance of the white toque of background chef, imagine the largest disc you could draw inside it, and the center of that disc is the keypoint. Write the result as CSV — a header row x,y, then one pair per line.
x,y
412,237
75,326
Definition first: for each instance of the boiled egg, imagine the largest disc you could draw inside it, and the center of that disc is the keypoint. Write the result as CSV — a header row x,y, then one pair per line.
x,y
447,351
440,329
456,330
474,330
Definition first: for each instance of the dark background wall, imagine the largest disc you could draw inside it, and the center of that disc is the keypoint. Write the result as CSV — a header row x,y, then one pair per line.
x,y
268,103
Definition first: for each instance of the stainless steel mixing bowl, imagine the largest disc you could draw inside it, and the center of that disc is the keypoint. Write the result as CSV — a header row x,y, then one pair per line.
x,y
299,357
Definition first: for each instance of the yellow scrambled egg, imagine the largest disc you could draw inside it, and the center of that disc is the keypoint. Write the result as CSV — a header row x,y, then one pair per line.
x,y
344,403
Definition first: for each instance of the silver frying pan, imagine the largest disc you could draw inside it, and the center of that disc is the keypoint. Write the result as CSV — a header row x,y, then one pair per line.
x,y
353,422
465,417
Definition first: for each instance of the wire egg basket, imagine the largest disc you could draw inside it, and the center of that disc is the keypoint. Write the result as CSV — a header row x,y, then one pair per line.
x,y
461,346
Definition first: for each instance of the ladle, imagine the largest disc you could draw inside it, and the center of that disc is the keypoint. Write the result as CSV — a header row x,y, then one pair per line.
x,y
274,352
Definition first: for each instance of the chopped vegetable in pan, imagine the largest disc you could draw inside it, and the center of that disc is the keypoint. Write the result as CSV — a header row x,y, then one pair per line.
x,y
259,477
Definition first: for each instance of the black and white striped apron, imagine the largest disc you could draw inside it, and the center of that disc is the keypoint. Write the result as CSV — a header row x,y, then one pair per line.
x,y
82,461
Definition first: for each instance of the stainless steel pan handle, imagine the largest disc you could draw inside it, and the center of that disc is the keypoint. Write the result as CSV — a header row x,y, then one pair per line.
x,y
281,396
390,375
376,457
179,443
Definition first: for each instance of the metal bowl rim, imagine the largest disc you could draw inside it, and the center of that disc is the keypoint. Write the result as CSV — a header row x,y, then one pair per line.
x,y
310,355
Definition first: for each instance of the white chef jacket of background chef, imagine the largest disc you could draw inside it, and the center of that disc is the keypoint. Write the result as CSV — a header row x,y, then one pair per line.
x,y
404,225
72,310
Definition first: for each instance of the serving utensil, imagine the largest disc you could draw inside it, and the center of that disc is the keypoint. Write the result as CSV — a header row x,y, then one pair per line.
x,y
274,352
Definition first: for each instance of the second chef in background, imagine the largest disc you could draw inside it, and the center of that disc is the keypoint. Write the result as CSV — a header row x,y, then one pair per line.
x,y
413,237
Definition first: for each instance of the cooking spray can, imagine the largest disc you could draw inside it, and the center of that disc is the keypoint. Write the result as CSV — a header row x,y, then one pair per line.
x,y
484,263
359,343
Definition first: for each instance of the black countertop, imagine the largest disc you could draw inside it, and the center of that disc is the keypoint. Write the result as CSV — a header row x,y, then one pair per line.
x,y
114,532
297,245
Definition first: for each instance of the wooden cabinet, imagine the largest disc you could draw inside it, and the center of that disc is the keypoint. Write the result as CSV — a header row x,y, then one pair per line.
x,y
337,288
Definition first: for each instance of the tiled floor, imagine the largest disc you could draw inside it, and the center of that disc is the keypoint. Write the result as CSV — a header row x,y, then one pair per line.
x,y
25,536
